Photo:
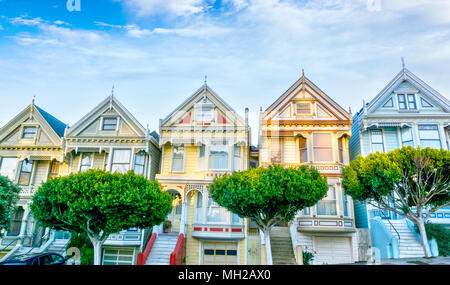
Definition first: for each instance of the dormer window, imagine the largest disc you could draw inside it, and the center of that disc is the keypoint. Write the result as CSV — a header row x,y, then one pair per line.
x,y
407,102
303,108
204,113
29,132
109,124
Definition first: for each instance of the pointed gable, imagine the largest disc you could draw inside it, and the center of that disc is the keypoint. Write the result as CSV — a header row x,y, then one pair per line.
x,y
305,101
108,119
407,92
203,108
33,126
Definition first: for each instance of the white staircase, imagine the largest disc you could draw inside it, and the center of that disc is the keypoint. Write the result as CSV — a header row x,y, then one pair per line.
x,y
59,246
161,250
409,244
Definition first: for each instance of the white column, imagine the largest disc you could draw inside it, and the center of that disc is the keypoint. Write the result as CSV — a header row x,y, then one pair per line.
x,y
442,136
23,225
183,218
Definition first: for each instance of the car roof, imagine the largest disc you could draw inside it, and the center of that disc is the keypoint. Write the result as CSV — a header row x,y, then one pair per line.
x,y
23,257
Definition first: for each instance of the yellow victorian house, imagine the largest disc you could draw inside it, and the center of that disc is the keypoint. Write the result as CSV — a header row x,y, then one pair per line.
x,y
305,126
201,139
30,152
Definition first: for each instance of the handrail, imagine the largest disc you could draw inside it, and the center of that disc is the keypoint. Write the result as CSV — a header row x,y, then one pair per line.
x,y
142,256
384,215
178,254
15,239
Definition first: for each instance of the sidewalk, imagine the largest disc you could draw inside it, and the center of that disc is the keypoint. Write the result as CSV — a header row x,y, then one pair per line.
x,y
439,260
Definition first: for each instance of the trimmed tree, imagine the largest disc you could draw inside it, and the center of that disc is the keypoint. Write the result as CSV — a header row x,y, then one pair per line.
x,y
413,183
100,203
9,195
269,195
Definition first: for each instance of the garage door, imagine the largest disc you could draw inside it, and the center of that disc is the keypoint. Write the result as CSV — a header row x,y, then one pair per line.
x,y
332,250
116,256
219,253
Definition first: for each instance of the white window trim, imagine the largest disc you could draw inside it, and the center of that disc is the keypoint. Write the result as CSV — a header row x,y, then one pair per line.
x,y
311,112
438,131
81,158
229,162
336,202
406,93
184,159
382,137
130,164
102,118
26,125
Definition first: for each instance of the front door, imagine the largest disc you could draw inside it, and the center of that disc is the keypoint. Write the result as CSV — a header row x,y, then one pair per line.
x,y
175,215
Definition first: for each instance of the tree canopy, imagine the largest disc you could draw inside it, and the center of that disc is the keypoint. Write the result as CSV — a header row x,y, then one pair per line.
x,y
9,195
100,203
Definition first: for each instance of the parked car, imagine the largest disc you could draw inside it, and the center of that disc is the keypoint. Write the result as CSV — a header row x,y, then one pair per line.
x,y
35,259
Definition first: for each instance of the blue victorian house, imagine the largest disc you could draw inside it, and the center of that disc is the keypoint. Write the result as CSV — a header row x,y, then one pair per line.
x,y
407,112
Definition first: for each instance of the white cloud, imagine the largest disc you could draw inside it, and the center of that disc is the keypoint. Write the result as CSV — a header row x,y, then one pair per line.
x,y
171,7
23,20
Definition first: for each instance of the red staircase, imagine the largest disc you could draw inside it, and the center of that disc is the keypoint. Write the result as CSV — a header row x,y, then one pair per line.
x,y
179,253
142,256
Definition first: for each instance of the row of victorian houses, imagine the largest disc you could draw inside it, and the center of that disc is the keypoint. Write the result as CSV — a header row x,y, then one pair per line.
x,y
203,138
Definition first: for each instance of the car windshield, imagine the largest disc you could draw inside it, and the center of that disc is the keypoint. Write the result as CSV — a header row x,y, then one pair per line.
x,y
20,258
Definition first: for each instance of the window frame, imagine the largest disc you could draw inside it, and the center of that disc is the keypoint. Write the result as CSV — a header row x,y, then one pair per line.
x,y
21,172
200,110
121,163
310,109
183,159
228,220
403,138
110,118
382,140
51,174
135,162
335,203
303,149
322,147
24,132
237,158
13,171
226,148
83,154
437,131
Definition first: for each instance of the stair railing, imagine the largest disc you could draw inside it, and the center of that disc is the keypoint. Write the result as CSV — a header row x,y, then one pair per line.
x,y
143,256
392,226
9,244
179,253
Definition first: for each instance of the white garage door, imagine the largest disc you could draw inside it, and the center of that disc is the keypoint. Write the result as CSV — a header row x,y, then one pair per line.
x,y
215,253
118,256
332,250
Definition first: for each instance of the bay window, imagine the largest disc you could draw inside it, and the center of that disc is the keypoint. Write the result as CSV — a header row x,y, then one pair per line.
x,y
345,205
377,141
322,147
54,169
303,150
407,138
16,222
218,157
86,161
327,206
8,167
198,219
121,160
178,159
201,157
215,213
139,163
341,150
275,150
25,172
429,136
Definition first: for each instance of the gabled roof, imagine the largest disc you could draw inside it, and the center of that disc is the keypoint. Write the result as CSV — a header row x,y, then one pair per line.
x,y
58,126
108,102
306,82
189,101
403,75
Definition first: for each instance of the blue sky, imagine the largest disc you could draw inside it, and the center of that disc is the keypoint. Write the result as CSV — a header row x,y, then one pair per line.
x,y
157,52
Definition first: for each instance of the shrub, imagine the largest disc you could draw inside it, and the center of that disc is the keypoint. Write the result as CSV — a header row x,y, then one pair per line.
x,y
307,257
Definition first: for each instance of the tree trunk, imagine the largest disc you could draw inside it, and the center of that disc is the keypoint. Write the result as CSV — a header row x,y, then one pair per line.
x,y
97,251
268,247
423,235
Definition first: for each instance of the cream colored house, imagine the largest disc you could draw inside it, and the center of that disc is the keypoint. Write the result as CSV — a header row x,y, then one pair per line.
x,y
305,126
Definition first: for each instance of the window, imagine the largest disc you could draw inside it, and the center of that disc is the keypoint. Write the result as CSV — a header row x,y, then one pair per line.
x,y
412,102
8,167
303,108
16,222
29,132
216,214
377,141
303,150
322,148
109,124
407,138
327,206
429,136
237,157
402,102
139,163
25,172
204,113
306,211
198,208
201,157
235,220
121,160
86,161
54,169
275,150
345,205
218,157
341,150
178,159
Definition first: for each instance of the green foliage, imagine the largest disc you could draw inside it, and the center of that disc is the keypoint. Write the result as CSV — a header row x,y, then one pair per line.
x,y
100,202
167,224
307,257
9,195
377,175
84,244
441,234
269,195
